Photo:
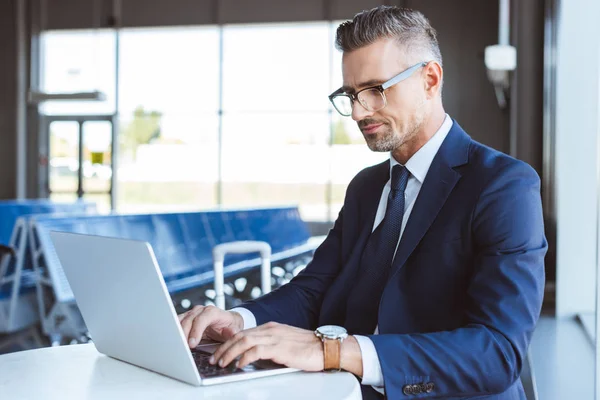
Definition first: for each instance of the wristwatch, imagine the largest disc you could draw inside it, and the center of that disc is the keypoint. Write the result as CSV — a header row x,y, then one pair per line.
x,y
332,337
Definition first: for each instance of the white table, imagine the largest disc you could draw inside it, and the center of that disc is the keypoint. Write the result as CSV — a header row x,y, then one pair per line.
x,y
80,372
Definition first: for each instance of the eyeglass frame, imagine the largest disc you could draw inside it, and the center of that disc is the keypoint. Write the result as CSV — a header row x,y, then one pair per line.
x,y
381,88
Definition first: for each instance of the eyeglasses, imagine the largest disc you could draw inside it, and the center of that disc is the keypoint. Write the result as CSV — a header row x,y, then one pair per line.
x,y
371,98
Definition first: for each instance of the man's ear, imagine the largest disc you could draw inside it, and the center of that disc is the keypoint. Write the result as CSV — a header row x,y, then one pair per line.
x,y
434,76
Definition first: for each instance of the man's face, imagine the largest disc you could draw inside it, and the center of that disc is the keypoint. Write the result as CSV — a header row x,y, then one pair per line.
x,y
401,119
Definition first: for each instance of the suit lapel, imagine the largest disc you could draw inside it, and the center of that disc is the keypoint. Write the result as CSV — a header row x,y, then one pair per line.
x,y
372,192
439,182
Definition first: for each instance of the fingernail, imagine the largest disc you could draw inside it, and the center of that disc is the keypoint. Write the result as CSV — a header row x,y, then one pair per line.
x,y
212,359
220,362
193,342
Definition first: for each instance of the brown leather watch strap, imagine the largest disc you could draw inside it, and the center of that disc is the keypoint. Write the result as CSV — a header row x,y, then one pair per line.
x,y
332,349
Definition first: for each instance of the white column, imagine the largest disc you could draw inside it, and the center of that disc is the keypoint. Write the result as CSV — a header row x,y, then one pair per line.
x,y
576,171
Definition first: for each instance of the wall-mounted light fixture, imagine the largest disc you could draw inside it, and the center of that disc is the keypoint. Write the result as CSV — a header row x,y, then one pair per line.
x,y
501,59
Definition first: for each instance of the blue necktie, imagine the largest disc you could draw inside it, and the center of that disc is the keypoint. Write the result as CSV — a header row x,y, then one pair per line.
x,y
376,260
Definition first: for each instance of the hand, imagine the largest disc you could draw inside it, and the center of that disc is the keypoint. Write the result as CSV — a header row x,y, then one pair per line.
x,y
210,323
283,344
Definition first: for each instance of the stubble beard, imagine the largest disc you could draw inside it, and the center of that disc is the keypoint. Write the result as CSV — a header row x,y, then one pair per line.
x,y
387,140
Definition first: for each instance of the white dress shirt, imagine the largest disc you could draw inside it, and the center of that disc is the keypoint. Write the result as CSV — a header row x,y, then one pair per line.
x,y
418,166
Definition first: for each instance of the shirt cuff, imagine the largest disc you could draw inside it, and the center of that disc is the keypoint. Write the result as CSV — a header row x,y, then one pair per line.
x,y
372,374
250,319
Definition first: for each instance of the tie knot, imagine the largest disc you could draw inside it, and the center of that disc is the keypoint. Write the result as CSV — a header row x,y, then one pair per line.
x,y
399,177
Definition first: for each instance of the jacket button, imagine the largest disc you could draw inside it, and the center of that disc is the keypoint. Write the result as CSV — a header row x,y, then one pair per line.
x,y
429,387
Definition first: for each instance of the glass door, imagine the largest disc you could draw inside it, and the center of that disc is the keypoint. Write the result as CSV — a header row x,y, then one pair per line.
x,y
81,159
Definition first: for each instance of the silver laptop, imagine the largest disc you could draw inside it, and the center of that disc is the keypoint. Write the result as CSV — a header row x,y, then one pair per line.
x,y
127,309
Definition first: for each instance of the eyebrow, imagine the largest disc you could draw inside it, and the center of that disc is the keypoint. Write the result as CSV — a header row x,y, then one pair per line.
x,y
369,83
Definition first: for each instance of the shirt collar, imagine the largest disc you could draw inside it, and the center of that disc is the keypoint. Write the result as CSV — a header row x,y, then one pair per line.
x,y
418,165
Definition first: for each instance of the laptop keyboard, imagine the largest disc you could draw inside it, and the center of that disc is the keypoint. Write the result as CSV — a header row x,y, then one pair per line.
x,y
207,370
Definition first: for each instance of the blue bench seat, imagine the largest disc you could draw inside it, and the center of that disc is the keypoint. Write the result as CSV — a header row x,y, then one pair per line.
x,y
182,242
17,278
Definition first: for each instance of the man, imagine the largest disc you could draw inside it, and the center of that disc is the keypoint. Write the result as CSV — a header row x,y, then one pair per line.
x,y
435,263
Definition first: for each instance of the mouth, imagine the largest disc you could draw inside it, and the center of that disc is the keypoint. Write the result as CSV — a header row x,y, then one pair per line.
x,y
371,129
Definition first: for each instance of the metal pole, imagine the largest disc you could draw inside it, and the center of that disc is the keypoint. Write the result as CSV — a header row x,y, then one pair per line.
x,y
114,161
21,117
220,116
80,158
597,310
504,22
329,189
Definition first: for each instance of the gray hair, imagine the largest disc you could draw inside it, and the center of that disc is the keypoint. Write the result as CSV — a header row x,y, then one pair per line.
x,y
410,28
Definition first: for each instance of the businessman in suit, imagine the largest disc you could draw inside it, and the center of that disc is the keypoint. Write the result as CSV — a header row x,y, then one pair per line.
x,y
430,282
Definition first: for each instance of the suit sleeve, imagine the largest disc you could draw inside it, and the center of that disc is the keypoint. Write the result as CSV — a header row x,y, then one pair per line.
x,y
504,298
298,302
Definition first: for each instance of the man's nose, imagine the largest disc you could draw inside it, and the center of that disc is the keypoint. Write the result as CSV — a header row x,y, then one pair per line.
x,y
359,112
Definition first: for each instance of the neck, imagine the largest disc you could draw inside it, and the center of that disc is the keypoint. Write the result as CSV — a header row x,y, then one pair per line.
x,y
429,127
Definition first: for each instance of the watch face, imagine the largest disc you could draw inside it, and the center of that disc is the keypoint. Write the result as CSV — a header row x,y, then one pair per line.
x,y
332,331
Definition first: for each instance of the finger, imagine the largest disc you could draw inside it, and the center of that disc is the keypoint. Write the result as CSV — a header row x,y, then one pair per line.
x,y
259,330
242,346
202,320
235,349
227,333
258,352
225,346
188,320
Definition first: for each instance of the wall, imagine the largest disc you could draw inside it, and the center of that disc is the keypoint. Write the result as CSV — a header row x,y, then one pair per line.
x,y
468,96
463,36
8,98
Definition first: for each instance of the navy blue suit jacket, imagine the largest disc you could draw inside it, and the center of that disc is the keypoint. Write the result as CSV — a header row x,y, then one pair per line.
x,y
466,286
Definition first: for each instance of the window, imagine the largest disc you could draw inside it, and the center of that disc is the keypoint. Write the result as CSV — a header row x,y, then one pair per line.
x,y
262,134
276,120
168,109
79,61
